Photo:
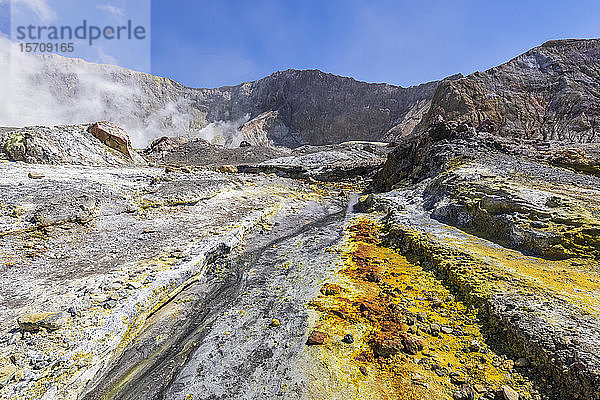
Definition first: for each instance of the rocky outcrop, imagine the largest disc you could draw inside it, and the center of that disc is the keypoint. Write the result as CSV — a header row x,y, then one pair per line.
x,y
584,159
340,162
512,224
423,156
537,221
542,222
113,136
98,144
549,93
352,161
182,151
167,144
448,143
267,129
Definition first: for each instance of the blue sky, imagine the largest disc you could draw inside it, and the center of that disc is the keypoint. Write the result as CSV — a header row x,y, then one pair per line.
x,y
135,54
212,43
205,43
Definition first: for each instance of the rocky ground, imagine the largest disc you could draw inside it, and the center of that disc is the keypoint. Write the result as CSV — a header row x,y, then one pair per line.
x,y
474,277
344,161
106,249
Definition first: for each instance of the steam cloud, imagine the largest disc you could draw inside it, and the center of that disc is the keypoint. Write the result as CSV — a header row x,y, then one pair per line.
x,y
224,133
53,90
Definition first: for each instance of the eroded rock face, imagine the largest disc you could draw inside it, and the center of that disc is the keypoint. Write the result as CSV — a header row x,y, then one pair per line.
x,y
317,108
524,224
539,220
268,129
114,137
428,154
548,93
546,223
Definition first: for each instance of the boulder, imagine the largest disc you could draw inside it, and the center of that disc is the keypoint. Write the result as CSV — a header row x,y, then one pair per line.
x,y
228,169
167,144
34,322
330,289
412,345
348,338
112,136
316,338
464,393
35,175
386,347
372,276
507,393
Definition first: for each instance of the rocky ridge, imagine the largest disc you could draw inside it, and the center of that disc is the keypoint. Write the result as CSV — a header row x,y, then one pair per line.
x,y
549,93
288,108
101,144
503,197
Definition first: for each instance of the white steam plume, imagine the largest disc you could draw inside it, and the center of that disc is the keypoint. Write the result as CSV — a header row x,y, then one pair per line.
x,y
53,90
224,133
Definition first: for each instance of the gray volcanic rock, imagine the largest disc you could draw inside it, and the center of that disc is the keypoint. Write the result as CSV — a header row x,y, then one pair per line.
x,y
550,93
345,161
482,194
422,156
319,108
268,128
68,144
146,235
181,151
515,223
448,143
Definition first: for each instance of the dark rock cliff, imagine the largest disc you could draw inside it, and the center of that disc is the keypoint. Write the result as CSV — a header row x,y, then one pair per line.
x,y
319,108
549,93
